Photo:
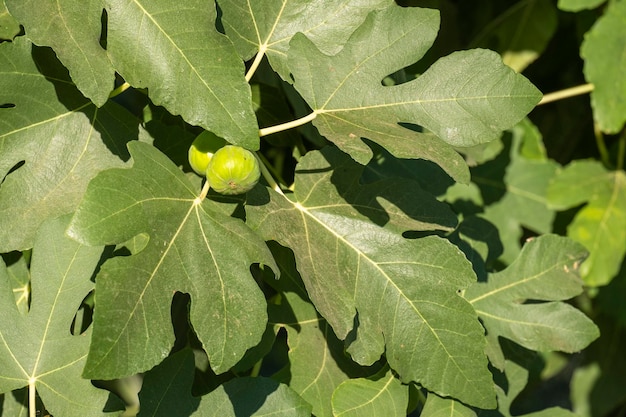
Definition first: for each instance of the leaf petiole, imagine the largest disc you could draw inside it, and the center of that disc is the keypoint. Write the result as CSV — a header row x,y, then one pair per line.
x,y
205,190
267,175
566,93
602,150
255,64
289,125
119,90
621,150
32,403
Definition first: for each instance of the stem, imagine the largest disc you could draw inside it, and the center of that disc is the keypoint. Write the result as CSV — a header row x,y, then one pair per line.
x,y
267,175
205,190
621,150
289,125
32,404
256,369
604,153
255,64
119,90
566,93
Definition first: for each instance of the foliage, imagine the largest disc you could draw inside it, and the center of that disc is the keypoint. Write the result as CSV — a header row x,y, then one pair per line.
x,y
414,247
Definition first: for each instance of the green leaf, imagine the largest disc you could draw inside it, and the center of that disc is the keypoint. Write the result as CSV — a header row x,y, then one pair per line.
x,y
596,385
521,33
386,293
167,392
600,224
436,406
9,27
371,397
523,302
193,72
466,98
578,5
56,24
317,362
513,188
53,141
192,249
19,278
268,26
38,346
603,52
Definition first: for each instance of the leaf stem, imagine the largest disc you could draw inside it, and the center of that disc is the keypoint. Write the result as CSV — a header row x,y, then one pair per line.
x,y
267,175
604,153
119,90
621,150
32,403
205,190
566,93
257,61
256,369
289,125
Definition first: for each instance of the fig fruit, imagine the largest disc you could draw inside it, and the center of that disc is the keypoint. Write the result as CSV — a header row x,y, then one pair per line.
x,y
233,170
202,149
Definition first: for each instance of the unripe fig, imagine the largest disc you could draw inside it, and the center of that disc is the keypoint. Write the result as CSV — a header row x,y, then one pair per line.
x,y
233,170
202,149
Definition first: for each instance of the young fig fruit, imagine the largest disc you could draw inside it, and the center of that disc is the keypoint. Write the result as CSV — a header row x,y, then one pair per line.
x,y
233,170
202,149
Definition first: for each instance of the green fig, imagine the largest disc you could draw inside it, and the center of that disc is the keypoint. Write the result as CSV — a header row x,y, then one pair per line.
x,y
202,149
233,170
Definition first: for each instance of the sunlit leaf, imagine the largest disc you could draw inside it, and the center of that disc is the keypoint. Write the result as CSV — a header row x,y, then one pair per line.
x,y
53,141
603,52
601,224
51,23
9,27
192,249
267,26
465,98
38,346
371,397
382,291
193,72
524,302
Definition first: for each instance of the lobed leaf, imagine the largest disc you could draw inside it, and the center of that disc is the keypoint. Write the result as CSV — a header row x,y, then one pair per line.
x,y
317,362
73,30
38,346
52,141
382,291
523,302
513,188
436,406
601,223
188,67
266,27
371,397
192,249
465,99
167,392
9,27
603,53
